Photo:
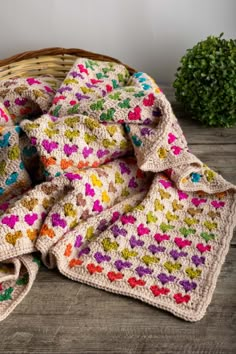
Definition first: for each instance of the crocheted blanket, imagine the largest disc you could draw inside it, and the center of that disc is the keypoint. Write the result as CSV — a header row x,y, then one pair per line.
x,y
96,179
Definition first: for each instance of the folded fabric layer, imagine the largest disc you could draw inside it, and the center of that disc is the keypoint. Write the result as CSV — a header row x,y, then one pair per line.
x,y
117,200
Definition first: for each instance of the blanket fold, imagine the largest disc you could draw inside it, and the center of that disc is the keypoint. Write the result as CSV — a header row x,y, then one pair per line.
x,y
99,179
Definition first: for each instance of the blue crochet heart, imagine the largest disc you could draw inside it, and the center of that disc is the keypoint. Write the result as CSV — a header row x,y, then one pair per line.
x,y
12,178
137,142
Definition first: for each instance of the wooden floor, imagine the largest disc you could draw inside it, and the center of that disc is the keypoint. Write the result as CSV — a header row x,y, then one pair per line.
x,y
62,316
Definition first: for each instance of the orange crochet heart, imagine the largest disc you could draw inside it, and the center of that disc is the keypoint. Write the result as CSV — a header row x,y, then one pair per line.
x,y
48,161
74,262
66,163
68,250
82,164
46,231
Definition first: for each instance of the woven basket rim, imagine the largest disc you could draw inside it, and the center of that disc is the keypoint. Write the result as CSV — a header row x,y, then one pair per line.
x,y
54,51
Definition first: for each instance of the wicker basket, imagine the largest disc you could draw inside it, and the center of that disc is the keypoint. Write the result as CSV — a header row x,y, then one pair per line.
x,y
49,61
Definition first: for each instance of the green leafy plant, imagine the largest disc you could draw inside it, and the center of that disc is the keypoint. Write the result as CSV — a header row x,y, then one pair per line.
x,y
206,81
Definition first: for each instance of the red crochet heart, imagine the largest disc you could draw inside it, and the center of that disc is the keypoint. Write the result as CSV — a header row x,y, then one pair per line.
x,y
112,276
179,298
94,269
133,282
159,291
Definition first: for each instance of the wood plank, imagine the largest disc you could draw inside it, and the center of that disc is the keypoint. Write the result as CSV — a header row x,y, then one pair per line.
x,y
194,131
221,158
61,316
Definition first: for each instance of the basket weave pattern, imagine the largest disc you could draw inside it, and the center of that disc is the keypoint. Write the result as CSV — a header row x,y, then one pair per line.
x,y
49,61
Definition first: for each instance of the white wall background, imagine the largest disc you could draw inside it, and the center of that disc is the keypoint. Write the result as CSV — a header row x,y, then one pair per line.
x,y
150,35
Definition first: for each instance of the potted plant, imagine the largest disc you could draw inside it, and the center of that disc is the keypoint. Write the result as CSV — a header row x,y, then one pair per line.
x,y
206,81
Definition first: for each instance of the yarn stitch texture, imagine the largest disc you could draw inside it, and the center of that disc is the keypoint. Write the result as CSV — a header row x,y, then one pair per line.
x,y
98,181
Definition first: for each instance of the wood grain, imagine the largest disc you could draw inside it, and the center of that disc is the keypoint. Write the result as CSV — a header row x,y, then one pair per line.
x,y
62,316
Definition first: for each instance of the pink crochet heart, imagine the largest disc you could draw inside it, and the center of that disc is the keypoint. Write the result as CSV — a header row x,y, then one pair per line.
x,y
182,195
31,218
127,219
176,149
166,184
86,152
10,220
217,204
70,149
49,146
181,243
171,138
203,248
142,230
89,190
197,201
97,206
159,237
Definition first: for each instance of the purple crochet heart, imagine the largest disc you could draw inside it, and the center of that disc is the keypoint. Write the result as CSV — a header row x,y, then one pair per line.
x,y
143,271
155,249
164,278
118,231
198,260
135,242
175,254
122,264
101,258
187,285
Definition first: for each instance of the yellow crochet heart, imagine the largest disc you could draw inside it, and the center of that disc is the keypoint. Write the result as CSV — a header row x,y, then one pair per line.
x,y
86,90
14,152
108,143
162,153
150,259
105,197
72,121
13,237
29,204
158,206
108,245
171,267
210,225
96,181
126,253
118,178
176,206
150,217
3,165
125,192
92,123
48,202
124,144
190,221
193,273
71,134
32,234
51,132
69,210
70,81
127,208
89,138
163,194
112,129
171,217
89,233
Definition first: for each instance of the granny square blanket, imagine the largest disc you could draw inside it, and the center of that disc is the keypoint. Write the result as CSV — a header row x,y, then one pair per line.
x,y
97,180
